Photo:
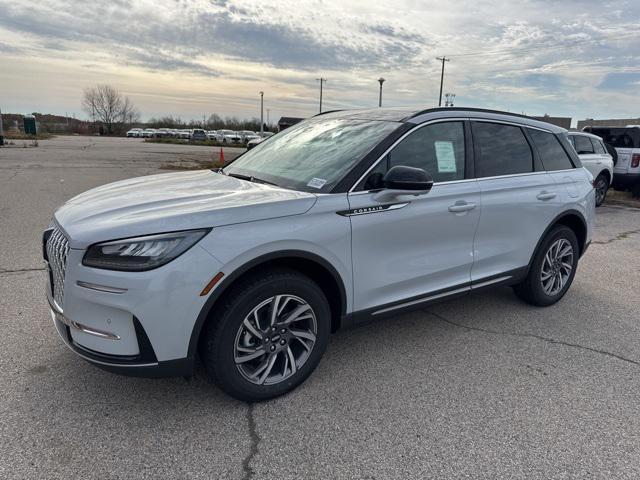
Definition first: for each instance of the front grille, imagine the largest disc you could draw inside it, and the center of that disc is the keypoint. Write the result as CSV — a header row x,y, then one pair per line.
x,y
57,250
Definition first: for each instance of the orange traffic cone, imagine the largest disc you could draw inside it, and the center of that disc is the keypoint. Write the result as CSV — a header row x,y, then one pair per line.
x,y
221,156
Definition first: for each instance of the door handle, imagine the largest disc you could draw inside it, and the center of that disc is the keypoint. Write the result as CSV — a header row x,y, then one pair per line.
x,y
461,206
544,195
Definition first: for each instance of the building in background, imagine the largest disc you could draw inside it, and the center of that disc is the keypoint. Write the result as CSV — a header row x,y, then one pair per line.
x,y
286,122
614,122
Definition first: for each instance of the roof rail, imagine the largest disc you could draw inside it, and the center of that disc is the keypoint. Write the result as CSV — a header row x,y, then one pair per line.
x,y
468,109
328,111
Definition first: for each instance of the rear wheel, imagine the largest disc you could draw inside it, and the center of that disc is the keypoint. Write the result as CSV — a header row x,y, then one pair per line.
x,y
635,190
601,186
552,270
268,336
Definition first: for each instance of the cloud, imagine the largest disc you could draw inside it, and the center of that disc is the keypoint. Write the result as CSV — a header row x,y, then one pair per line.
x,y
560,57
620,81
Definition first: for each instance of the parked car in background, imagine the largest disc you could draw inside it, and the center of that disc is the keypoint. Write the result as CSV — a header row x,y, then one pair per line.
x,y
198,135
246,135
255,265
134,132
228,136
163,132
256,141
184,133
626,141
148,133
595,158
211,135
266,134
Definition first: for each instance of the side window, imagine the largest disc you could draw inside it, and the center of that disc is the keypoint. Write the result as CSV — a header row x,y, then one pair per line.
x,y
572,140
503,150
436,148
598,147
551,152
583,145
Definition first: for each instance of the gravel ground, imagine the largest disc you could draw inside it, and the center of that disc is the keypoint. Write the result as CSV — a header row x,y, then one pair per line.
x,y
479,387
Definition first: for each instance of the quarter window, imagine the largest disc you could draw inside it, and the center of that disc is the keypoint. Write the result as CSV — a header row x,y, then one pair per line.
x,y
553,156
598,147
502,150
583,145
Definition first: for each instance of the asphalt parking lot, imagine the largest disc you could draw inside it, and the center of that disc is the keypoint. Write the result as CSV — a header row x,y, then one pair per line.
x,y
479,387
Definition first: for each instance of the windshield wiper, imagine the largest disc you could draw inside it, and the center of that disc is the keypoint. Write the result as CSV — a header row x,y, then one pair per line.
x,y
260,180
252,179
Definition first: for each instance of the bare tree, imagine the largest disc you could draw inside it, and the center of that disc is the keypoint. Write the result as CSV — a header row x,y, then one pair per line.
x,y
108,106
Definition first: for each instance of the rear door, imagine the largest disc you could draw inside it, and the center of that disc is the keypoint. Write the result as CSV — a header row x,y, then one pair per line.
x,y
588,156
519,200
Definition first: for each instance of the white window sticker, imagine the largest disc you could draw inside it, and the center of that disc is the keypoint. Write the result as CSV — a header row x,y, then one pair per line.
x,y
446,157
316,183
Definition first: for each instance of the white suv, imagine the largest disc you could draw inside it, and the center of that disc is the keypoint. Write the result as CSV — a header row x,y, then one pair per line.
x,y
626,141
595,158
345,217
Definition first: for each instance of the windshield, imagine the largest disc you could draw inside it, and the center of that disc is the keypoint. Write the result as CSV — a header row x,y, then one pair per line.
x,y
313,155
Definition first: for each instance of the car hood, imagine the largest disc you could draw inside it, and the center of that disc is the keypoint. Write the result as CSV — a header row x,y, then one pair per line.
x,y
173,201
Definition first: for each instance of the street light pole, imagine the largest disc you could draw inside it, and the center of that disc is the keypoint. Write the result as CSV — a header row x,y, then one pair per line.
x,y
381,81
442,59
261,112
322,81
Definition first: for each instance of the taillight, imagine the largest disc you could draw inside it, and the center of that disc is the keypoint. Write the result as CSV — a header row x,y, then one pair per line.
x,y
635,160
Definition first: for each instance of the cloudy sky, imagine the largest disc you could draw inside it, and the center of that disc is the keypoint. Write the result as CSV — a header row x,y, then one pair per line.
x,y
192,58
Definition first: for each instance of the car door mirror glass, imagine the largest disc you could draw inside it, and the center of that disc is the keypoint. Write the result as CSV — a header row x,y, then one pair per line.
x,y
406,178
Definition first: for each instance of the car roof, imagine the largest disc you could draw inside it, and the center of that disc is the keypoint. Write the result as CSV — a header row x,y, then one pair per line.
x,y
585,134
416,116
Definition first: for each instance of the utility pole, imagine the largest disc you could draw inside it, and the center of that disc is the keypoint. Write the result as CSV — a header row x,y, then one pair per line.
x,y
261,112
442,59
380,81
322,81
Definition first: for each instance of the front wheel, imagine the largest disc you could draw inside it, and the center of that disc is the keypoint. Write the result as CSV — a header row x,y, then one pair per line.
x,y
268,336
601,186
552,270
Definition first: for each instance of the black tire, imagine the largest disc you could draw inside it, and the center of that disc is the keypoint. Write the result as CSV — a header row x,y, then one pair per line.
x,y
218,342
635,191
601,185
613,152
531,289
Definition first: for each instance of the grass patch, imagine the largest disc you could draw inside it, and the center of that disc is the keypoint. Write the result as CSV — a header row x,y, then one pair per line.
x,y
197,165
23,136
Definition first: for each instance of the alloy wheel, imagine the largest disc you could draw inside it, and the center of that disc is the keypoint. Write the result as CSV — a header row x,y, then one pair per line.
x,y
557,266
275,339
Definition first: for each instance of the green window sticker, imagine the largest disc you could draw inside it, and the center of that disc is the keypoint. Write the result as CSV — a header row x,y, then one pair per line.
x,y
446,157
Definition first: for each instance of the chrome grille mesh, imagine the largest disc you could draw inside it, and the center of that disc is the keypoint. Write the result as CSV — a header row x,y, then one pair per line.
x,y
57,251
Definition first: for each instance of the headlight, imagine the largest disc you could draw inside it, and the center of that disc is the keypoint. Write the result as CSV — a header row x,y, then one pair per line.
x,y
141,253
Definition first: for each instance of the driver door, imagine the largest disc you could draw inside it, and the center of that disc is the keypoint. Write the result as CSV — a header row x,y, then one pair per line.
x,y
407,248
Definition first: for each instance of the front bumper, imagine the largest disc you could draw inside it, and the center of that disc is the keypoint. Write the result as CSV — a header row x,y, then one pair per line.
x,y
133,323
145,364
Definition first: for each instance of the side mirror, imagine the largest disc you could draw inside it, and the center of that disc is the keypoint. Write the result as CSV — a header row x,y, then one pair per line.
x,y
402,180
407,178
